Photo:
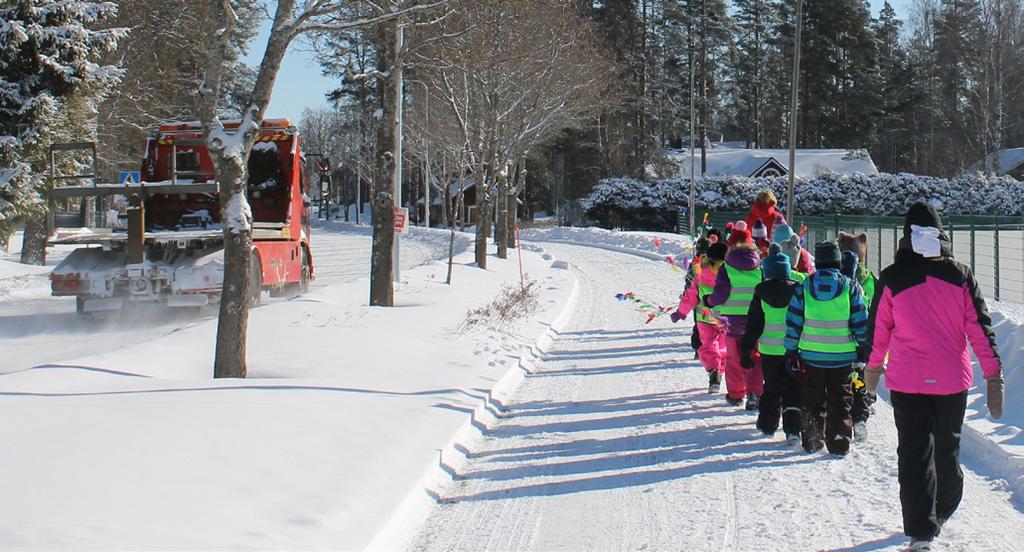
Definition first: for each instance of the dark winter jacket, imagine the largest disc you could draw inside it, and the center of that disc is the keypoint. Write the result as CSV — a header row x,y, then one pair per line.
x,y
740,259
924,313
777,293
824,285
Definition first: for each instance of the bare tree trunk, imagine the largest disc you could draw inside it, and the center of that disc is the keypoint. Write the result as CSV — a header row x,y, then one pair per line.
x,y
382,288
483,219
501,220
33,248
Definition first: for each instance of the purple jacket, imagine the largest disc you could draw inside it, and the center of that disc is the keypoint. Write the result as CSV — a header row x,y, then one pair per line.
x,y
924,314
740,259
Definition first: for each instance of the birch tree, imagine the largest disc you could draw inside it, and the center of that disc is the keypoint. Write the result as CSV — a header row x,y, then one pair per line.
x,y
230,149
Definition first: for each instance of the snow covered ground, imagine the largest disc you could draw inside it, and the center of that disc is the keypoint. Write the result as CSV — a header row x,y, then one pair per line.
x,y
128,443
612,443
580,428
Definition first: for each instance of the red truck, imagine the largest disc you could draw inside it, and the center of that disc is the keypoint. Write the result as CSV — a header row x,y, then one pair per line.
x,y
172,249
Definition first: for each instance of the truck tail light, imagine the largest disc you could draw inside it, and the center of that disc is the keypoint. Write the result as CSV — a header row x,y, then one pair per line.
x,y
68,283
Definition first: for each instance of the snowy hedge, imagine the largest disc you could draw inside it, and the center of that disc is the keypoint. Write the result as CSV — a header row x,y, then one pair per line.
x,y
630,202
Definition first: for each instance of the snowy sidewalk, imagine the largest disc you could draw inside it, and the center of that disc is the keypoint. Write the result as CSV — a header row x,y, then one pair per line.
x,y
614,444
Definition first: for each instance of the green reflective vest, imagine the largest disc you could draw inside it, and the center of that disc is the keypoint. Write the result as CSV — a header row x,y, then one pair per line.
x,y
797,277
702,313
869,289
743,284
772,341
827,324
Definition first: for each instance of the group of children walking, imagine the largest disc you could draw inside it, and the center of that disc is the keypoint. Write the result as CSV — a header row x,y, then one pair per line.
x,y
789,334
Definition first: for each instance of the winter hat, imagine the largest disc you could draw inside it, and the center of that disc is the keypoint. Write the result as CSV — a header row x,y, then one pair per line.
x,y
776,264
827,255
921,214
759,231
717,251
790,246
850,261
782,232
779,219
714,234
740,234
701,247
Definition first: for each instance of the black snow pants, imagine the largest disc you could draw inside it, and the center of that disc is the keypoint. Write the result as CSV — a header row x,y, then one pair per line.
x,y
781,396
828,396
931,482
861,409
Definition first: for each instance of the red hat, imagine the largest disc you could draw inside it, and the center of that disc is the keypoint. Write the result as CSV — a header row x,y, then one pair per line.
x,y
740,234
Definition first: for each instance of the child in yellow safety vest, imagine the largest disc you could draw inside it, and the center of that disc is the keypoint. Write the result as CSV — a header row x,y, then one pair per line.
x,y
826,332
765,336
864,280
712,334
734,289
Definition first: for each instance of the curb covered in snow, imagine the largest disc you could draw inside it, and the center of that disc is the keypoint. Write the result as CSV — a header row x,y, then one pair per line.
x,y
415,508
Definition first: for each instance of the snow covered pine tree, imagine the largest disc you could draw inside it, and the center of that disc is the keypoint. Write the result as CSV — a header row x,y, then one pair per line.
x,y
50,53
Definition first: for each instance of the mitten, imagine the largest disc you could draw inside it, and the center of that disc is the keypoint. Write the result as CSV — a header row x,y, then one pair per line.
x,y
793,363
996,386
863,353
747,361
676,317
872,375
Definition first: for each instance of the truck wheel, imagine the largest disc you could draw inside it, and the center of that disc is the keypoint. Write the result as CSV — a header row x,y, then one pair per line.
x,y
304,279
255,281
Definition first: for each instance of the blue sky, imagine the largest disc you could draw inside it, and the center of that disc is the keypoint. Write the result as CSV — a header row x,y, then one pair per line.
x,y
300,84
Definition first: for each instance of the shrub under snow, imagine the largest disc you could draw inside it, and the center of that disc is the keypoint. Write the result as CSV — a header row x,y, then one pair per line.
x,y
630,202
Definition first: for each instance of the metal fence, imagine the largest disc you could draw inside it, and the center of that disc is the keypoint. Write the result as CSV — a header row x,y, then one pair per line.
x,y
992,246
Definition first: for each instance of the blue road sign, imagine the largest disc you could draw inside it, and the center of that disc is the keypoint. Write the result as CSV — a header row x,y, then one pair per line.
x,y
129,177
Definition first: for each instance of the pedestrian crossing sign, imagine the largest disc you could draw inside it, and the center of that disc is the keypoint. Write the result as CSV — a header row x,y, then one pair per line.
x,y
129,177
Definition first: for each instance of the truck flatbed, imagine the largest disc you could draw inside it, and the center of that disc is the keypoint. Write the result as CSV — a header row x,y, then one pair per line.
x,y
261,231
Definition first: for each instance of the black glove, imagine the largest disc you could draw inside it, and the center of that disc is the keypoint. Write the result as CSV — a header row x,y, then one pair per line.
x,y
747,360
793,365
863,354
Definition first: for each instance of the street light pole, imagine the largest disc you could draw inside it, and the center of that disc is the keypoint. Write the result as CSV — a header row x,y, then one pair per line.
x,y
790,207
693,155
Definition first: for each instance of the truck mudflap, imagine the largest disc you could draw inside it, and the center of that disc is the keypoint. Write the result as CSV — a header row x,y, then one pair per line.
x,y
190,300
102,304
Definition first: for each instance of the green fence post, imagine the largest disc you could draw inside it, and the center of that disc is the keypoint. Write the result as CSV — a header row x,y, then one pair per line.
x,y
973,269
879,267
996,255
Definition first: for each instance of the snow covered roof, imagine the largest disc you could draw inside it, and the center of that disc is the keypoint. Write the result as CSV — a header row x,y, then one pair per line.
x,y
728,161
1009,159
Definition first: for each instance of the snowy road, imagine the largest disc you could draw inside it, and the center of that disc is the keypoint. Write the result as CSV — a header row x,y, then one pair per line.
x,y
37,329
614,444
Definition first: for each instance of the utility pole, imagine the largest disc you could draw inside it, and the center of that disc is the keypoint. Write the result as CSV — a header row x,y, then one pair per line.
x,y
398,121
693,153
790,207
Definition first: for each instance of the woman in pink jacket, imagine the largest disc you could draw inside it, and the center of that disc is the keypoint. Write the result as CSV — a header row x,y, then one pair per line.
x,y
926,309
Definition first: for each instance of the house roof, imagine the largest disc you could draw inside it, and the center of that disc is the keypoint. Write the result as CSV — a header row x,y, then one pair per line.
x,y
728,161
1009,159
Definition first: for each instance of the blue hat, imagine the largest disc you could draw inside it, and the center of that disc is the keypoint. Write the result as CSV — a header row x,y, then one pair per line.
x,y
782,232
776,264
850,261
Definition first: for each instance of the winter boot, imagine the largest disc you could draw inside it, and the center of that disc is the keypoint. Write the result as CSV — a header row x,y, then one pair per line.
x,y
753,400
917,545
714,382
733,401
860,431
793,439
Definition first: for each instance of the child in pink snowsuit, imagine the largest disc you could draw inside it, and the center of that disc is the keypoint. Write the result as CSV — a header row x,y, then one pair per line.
x,y
712,334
